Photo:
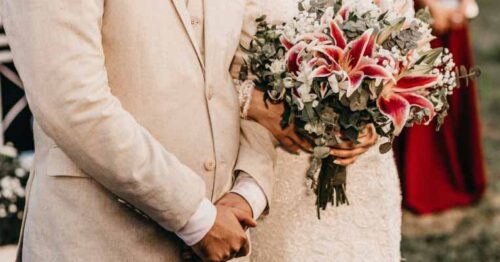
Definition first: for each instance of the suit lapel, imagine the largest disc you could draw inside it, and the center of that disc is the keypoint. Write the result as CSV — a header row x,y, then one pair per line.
x,y
208,27
223,25
182,11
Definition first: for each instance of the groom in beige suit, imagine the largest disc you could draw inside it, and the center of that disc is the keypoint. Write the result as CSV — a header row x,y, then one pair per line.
x,y
133,101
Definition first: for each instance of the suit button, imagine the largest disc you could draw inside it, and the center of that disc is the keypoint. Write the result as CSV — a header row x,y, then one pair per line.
x,y
195,21
210,165
210,93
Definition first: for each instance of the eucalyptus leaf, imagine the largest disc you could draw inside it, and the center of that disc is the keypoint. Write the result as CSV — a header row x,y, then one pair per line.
x,y
352,135
321,152
385,148
395,27
430,56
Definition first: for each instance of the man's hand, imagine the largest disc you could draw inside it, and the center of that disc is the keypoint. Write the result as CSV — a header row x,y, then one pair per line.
x,y
270,116
236,201
347,153
227,239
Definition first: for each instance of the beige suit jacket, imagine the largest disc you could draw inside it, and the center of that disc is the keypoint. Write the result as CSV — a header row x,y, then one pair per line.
x,y
126,107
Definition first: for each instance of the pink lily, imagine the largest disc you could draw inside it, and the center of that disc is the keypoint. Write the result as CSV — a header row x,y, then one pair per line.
x,y
397,99
353,59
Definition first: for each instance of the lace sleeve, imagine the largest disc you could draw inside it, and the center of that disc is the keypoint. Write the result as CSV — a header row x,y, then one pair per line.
x,y
245,89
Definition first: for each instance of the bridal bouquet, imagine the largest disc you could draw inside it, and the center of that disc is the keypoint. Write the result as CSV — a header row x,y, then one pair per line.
x,y
342,65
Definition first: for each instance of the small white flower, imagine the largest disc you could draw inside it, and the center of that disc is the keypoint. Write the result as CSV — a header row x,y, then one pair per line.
x,y
12,208
3,212
288,82
278,66
20,192
314,127
9,194
20,172
8,151
26,160
11,186
334,83
5,183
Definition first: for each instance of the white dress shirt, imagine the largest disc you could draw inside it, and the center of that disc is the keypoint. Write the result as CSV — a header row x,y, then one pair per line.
x,y
204,218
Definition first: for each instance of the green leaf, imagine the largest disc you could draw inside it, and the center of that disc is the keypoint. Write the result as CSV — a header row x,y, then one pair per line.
x,y
352,135
261,19
387,32
430,56
321,152
385,148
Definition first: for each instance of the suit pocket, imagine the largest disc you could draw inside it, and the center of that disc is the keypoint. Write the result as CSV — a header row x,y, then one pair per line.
x,y
59,165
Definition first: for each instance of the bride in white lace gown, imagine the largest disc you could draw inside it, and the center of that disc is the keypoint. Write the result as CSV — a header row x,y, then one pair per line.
x,y
366,230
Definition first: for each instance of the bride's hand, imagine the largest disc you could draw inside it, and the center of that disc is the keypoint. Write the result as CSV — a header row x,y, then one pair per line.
x,y
270,117
347,153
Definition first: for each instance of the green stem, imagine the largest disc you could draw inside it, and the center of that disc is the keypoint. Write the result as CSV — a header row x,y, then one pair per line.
x,y
331,186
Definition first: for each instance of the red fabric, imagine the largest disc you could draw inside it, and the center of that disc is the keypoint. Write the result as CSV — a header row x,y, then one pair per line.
x,y
442,170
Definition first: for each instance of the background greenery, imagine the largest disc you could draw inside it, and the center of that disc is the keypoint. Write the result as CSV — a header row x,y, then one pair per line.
x,y
469,234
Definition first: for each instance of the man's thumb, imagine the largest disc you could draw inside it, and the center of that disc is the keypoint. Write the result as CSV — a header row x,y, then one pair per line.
x,y
244,218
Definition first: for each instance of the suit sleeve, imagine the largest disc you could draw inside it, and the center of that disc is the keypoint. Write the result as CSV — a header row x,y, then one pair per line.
x,y
257,155
57,45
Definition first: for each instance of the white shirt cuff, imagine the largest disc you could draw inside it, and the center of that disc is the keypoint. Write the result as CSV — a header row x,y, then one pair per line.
x,y
248,188
200,223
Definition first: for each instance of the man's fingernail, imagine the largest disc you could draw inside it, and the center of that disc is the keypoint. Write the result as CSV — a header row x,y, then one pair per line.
x,y
337,162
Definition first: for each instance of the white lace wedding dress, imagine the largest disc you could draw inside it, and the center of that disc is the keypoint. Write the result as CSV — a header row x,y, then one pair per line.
x,y
366,230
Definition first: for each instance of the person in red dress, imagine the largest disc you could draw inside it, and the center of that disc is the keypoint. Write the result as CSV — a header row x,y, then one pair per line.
x,y
445,169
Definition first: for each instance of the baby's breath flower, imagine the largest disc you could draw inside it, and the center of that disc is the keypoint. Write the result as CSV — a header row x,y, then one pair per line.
x,y
278,66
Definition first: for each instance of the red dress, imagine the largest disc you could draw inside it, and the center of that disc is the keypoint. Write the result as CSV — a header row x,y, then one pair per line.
x,y
442,170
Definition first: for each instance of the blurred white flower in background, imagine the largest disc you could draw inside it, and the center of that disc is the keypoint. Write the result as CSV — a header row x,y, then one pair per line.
x,y
8,150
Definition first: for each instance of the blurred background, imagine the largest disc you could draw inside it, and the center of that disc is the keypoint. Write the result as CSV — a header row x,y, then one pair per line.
x,y
457,232
469,233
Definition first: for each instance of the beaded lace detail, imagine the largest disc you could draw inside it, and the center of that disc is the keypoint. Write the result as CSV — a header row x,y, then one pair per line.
x,y
245,89
366,230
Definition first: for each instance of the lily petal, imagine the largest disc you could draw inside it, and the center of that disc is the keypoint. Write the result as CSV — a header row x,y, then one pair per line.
x,y
317,61
370,69
322,71
395,108
344,12
333,53
369,48
420,101
411,83
337,34
320,37
355,81
285,42
292,57
323,88
358,47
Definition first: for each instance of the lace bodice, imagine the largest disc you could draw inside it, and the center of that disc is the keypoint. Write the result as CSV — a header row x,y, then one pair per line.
x,y
366,230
